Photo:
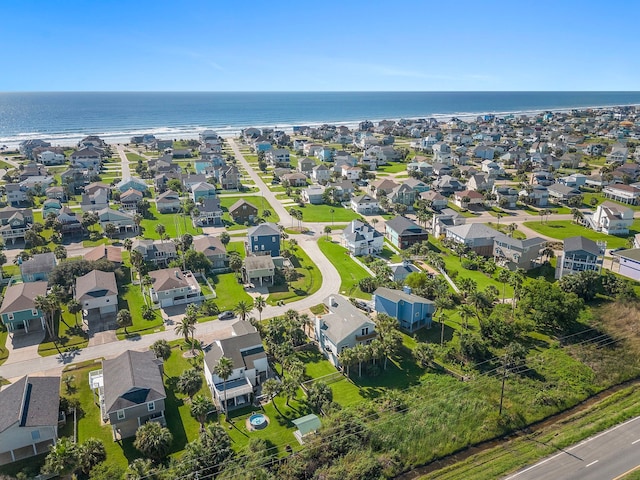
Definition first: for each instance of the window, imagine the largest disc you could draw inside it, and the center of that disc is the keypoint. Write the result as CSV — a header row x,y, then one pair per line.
x,y
10,316
151,406
34,312
273,239
120,414
365,331
255,248
35,435
261,247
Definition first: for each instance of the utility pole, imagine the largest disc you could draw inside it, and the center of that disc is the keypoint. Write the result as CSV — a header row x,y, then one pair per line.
x,y
441,330
504,377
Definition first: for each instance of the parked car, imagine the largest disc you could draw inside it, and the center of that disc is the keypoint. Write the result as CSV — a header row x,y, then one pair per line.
x,y
226,315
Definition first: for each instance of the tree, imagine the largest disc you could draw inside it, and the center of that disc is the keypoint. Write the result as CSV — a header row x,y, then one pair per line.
x,y
186,328
242,309
161,349
74,308
141,469
548,306
465,313
259,303
124,319
424,354
90,453
189,382
224,369
503,277
204,457
153,441
235,263
327,231
137,262
225,238
160,230
60,252
319,394
200,408
148,313
127,244
63,457
585,284
48,305
110,230
271,388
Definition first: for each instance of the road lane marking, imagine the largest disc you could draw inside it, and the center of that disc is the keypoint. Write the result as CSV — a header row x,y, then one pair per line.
x,y
633,443
592,463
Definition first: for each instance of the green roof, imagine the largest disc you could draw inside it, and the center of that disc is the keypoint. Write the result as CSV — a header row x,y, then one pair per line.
x,y
307,424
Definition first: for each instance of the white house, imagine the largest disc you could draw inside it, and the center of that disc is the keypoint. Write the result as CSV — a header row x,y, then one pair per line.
x,y
365,205
250,366
171,286
362,239
343,327
612,219
351,173
630,263
97,290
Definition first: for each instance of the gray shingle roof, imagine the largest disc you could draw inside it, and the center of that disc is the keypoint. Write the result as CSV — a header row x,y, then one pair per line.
x,y
103,283
21,296
573,244
132,378
238,349
41,262
343,319
397,295
30,402
400,224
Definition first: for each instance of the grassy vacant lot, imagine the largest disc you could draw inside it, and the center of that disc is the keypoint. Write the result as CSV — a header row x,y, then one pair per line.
x,y
350,272
322,213
503,227
174,224
308,282
237,247
562,229
393,167
229,292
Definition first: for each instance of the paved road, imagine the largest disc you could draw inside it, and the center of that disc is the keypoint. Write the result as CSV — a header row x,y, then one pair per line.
x,y
606,456
124,161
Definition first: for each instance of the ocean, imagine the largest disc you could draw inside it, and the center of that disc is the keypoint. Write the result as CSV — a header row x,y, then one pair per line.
x,y
65,117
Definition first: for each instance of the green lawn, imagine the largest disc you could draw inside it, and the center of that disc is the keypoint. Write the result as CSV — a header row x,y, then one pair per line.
x,y
174,224
562,229
229,292
393,167
322,213
350,272
503,227
309,281
237,247
70,336
452,264
587,196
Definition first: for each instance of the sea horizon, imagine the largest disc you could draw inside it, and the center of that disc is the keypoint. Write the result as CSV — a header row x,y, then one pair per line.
x,y
63,118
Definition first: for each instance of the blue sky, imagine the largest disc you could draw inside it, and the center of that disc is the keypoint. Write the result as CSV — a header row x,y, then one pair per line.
x,y
191,45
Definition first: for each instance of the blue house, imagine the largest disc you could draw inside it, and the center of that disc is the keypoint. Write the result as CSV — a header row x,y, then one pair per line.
x,y
411,311
18,310
264,239
132,183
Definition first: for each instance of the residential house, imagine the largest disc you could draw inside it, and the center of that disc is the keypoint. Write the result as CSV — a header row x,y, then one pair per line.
x,y
441,152
212,248
420,166
313,194
38,267
97,292
400,271
506,196
131,391
243,212
14,222
362,239
403,233
305,165
51,206
580,254
95,198
158,252
351,173
629,263
30,412
188,181
343,327
447,185
324,154
441,169
492,168
622,193
295,179
575,180
250,366
466,198
202,190
382,187
416,185
536,195
476,236
86,158
16,194
26,147
108,252
320,173
130,199
611,218
73,179
278,157
168,202
483,151
444,219
403,194
228,176
57,193
619,154
19,311
123,221
559,193
513,253
365,205
172,286
412,311
264,239
209,212
70,221
131,183
435,200
258,269
480,182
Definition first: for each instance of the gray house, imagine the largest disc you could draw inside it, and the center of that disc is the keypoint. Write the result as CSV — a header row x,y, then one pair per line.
x,y
132,391
38,267
29,410
214,250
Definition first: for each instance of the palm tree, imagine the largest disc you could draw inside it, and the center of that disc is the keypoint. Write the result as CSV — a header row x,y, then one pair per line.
x,y
189,382
137,261
503,277
331,211
306,322
45,304
347,358
63,457
224,369
185,328
161,349
259,303
91,452
160,230
200,408
512,227
465,312
124,319
327,231
74,307
140,469
127,243
242,308
271,389
153,440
